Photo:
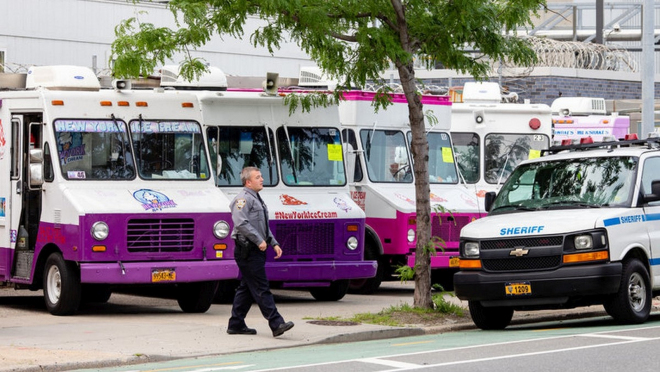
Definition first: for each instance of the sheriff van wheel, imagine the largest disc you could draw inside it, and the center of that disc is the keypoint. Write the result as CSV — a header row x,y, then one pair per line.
x,y
632,304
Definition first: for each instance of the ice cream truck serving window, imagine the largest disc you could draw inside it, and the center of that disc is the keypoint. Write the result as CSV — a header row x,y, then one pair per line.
x,y
94,149
573,183
169,150
311,156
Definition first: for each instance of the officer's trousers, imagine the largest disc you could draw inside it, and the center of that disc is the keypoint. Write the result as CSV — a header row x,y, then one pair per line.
x,y
254,287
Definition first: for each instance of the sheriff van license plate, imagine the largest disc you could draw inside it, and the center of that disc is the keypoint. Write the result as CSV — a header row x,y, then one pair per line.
x,y
163,275
518,289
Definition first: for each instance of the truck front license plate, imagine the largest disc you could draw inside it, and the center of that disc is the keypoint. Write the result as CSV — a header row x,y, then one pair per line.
x,y
163,275
518,289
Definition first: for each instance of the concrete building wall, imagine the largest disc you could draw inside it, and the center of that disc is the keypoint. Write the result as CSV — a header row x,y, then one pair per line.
x,y
79,32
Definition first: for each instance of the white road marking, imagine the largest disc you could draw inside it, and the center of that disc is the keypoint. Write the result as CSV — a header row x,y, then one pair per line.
x,y
390,363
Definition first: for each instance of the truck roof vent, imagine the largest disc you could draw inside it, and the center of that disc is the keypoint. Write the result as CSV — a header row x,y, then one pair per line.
x,y
481,92
213,79
578,106
62,78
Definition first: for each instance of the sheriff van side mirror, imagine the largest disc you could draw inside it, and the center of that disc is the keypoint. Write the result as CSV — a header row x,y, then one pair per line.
x,y
655,192
489,198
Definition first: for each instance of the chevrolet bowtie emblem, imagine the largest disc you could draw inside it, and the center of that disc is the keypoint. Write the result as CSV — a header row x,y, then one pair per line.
x,y
519,252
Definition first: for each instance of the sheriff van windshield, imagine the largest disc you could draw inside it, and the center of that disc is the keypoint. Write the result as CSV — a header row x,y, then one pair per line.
x,y
573,183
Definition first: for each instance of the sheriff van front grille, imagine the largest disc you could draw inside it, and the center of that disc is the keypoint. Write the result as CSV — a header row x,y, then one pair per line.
x,y
160,235
543,241
305,240
521,263
448,228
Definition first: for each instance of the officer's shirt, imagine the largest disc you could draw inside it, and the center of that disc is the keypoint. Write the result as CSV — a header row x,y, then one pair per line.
x,y
249,216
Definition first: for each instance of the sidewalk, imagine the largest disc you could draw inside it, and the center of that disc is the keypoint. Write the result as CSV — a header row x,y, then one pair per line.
x,y
122,332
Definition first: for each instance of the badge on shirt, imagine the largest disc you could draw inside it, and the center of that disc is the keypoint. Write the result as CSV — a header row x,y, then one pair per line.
x,y
240,203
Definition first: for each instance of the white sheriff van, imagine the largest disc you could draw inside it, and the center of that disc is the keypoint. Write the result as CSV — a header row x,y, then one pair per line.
x,y
576,227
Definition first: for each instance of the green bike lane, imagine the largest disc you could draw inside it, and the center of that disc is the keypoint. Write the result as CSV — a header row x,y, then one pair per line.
x,y
402,353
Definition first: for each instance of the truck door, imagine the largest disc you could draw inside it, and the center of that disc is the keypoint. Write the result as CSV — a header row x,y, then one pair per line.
x,y
25,200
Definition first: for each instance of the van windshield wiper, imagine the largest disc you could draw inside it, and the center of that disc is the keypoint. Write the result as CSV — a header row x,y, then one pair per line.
x,y
571,203
517,207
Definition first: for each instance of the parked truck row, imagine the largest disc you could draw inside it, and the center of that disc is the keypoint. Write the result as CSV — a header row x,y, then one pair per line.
x,y
107,187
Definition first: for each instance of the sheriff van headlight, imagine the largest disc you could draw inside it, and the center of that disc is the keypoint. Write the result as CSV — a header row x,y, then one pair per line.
x,y
583,242
411,235
352,243
221,229
100,230
471,249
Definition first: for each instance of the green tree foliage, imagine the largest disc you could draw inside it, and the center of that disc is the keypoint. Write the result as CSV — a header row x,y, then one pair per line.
x,y
353,41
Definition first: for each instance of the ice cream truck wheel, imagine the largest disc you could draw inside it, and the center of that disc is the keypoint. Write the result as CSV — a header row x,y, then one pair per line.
x,y
372,251
335,292
196,297
61,281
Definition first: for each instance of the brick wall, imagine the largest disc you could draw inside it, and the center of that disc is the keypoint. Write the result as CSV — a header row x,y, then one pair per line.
x,y
545,89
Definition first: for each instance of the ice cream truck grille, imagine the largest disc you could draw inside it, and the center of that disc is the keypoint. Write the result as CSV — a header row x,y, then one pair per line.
x,y
160,235
448,228
308,239
521,263
543,241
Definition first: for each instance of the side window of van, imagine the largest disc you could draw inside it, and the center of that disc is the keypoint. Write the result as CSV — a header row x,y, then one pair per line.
x,y
650,173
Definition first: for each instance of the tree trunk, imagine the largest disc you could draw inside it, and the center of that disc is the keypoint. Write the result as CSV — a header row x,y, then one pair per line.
x,y
420,152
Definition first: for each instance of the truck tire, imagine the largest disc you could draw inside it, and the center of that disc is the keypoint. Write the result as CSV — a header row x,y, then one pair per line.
x,y
226,291
335,292
368,285
196,297
632,304
95,293
61,282
490,318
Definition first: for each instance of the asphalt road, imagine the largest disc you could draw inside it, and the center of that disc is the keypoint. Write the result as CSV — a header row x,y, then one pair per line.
x,y
585,345
131,330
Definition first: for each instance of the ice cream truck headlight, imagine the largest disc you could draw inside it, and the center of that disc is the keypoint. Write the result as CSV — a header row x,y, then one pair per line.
x,y
471,249
100,230
411,235
352,243
583,242
221,229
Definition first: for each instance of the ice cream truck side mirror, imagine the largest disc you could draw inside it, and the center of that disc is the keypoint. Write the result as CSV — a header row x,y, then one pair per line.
x,y
489,198
655,192
36,168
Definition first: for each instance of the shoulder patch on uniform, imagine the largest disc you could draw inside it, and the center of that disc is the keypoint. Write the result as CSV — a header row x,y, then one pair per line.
x,y
240,203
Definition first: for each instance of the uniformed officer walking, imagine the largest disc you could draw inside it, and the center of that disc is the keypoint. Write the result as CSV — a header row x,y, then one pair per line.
x,y
252,236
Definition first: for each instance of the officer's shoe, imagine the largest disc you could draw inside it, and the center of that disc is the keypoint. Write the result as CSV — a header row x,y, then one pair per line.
x,y
282,328
243,331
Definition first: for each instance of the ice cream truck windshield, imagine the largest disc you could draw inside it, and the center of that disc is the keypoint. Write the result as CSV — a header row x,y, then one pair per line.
x,y
169,149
